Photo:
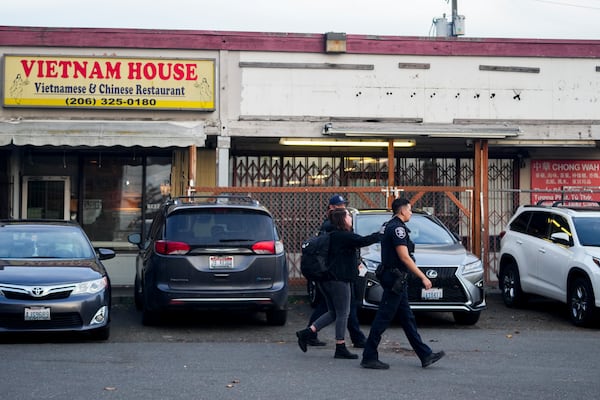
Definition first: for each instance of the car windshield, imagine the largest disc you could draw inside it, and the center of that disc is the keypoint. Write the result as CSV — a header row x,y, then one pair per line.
x,y
423,229
43,241
365,224
219,226
588,230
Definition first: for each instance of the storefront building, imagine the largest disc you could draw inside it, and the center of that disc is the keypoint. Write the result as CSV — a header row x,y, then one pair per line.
x,y
101,125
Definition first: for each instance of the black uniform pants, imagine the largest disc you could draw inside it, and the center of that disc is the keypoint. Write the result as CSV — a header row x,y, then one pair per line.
x,y
393,304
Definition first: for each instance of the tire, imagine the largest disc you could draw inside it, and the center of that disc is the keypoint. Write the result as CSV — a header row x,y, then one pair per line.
x,y
582,308
510,286
314,295
138,294
466,318
276,317
149,317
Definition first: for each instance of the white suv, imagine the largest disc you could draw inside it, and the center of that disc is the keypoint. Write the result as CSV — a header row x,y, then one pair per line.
x,y
554,252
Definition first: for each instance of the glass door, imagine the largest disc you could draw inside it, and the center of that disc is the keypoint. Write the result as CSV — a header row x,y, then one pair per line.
x,y
46,197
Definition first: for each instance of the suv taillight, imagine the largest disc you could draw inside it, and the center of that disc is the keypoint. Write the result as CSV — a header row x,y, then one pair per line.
x,y
267,247
169,248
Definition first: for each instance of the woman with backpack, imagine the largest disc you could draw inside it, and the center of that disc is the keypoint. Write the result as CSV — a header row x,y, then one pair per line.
x,y
343,247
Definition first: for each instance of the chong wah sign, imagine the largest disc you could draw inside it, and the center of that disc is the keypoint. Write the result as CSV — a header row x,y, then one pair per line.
x,y
123,83
575,180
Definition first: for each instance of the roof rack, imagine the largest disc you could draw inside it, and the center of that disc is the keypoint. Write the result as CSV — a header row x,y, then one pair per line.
x,y
215,199
559,203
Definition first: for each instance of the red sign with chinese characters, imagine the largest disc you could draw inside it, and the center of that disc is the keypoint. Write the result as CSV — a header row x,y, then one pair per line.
x,y
575,177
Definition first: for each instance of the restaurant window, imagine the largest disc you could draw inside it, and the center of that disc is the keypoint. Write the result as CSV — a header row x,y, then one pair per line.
x,y
112,196
158,187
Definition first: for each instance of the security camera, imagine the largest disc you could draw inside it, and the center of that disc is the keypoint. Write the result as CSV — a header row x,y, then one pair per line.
x,y
469,143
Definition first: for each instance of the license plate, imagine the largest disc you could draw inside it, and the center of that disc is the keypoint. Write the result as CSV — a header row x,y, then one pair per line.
x,y
37,314
220,262
432,294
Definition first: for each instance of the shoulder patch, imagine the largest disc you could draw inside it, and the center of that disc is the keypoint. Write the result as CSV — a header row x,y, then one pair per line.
x,y
400,232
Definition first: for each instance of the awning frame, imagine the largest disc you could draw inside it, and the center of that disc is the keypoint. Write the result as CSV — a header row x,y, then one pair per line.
x,y
94,133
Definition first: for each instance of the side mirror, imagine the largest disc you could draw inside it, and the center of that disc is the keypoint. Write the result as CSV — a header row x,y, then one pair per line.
x,y
561,238
105,254
135,238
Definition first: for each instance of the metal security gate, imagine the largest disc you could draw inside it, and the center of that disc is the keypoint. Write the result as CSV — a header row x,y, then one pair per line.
x,y
299,212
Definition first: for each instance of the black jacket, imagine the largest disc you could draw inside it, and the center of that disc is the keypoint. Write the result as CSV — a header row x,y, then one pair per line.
x,y
343,253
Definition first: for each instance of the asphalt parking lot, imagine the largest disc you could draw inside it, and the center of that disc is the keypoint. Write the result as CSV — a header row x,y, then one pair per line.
x,y
540,314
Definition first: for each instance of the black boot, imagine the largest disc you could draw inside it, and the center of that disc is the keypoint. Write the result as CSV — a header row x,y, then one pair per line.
x,y
342,352
314,340
303,336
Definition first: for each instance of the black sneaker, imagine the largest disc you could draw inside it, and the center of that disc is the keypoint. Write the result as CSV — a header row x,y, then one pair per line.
x,y
374,364
430,359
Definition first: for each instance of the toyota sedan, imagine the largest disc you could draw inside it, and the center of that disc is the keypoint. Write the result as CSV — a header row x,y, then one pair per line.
x,y
52,279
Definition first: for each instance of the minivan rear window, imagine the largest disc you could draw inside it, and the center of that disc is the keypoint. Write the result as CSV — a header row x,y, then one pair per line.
x,y
219,226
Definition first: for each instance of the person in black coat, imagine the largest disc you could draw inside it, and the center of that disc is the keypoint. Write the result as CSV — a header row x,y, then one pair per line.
x,y
343,248
357,336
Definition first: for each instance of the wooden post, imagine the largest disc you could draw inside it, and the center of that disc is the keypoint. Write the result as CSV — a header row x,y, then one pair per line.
x,y
485,208
192,170
477,192
391,170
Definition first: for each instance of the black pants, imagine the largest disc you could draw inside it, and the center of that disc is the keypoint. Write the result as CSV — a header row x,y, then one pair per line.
x,y
393,304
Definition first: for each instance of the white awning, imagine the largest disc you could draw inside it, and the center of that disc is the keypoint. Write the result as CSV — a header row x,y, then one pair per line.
x,y
102,133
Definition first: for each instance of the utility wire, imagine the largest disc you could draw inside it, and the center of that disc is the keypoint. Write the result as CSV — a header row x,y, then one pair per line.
x,y
560,3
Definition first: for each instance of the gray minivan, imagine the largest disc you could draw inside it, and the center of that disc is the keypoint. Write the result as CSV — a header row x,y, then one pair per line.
x,y
211,253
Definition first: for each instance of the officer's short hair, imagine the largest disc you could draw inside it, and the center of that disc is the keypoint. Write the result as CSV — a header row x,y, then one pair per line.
x,y
399,203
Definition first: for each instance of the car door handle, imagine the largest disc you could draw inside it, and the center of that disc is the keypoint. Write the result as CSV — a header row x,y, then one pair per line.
x,y
542,250
519,241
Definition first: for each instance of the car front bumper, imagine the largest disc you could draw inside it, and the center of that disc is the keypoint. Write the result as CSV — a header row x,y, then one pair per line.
x,y
467,297
75,313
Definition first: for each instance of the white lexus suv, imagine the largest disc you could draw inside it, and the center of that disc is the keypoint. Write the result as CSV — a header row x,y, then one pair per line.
x,y
553,251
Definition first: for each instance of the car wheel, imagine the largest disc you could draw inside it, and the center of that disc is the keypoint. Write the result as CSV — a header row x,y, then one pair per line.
x,y
101,333
138,294
581,302
314,295
149,317
510,286
466,318
277,317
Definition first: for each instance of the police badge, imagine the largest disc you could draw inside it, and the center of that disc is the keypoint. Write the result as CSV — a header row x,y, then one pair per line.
x,y
400,232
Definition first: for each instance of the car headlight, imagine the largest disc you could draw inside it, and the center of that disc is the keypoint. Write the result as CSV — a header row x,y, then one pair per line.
x,y
472,267
370,264
91,287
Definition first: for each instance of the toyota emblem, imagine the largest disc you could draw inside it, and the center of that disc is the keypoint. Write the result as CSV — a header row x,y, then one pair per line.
x,y
37,291
431,273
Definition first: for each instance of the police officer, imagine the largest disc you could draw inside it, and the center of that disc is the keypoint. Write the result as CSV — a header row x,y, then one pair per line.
x,y
398,261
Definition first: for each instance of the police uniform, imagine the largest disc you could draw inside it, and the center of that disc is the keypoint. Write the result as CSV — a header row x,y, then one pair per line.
x,y
394,302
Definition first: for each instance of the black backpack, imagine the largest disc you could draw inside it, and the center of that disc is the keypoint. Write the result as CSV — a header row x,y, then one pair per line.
x,y
314,263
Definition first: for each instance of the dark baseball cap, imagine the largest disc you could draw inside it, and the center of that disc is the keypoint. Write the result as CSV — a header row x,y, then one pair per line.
x,y
336,200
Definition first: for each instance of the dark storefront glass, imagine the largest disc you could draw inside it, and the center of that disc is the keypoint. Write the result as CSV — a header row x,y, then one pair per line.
x,y
112,196
158,186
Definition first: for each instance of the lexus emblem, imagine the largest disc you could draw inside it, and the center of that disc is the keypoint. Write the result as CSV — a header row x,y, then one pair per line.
x,y
37,291
431,273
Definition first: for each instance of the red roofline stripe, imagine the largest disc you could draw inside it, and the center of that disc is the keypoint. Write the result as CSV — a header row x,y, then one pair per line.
x,y
293,42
